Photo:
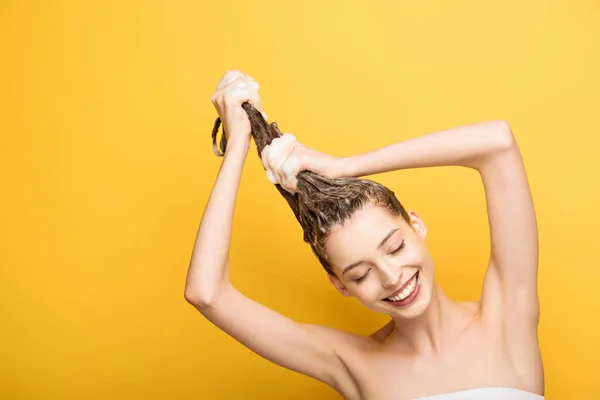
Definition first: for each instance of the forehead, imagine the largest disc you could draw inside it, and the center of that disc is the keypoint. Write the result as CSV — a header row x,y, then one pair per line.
x,y
361,235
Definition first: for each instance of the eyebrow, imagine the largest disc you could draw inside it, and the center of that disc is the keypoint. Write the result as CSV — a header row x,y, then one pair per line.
x,y
356,264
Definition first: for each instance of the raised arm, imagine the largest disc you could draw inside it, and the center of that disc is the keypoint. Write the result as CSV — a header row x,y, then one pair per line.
x,y
510,286
304,348
491,149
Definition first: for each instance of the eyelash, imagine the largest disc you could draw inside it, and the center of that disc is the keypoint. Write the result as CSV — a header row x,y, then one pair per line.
x,y
359,280
393,252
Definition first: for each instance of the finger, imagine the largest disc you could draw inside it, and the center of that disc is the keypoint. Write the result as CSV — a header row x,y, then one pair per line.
x,y
267,153
240,94
290,166
264,156
254,99
266,159
288,148
272,177
274,152
252,87
234,82
243,81
226,92
228,77
280,145
244,89
237,82
288,138
286,154
290,186
270,151
252,80
289,170
279,154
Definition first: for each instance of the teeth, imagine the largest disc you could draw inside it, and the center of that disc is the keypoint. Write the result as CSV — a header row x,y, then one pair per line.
x,y
406,292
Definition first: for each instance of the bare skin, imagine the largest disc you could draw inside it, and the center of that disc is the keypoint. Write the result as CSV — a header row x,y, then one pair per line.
x,y
431,346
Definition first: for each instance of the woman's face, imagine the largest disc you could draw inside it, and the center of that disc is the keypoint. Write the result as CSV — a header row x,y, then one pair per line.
x,y
383,262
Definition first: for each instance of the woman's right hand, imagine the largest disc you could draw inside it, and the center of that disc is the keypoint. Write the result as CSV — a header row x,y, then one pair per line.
x,y
233,89
285,158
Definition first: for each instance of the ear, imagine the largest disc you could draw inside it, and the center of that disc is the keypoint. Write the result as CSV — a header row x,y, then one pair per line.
x,y
335,281
417,224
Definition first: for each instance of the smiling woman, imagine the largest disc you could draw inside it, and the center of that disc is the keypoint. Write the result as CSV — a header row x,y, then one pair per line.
x,y
374,250
381,243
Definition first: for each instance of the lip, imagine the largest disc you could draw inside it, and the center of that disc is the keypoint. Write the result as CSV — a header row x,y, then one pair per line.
x,y
397,292
407,301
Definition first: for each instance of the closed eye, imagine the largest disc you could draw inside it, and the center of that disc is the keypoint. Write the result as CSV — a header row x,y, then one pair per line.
x,y
397,250
359,280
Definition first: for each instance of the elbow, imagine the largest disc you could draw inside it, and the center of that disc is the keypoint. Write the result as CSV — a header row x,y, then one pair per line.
x,y
192,297
198,299
499,141
503,136
202,298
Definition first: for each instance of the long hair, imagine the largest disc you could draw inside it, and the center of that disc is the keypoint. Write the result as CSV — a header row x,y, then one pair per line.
x,y
320,203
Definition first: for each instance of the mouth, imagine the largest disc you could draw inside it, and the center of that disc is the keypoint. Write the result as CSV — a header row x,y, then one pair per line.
x,y
406,294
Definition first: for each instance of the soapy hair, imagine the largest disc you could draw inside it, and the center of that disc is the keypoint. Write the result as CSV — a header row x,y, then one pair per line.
x,y
320,204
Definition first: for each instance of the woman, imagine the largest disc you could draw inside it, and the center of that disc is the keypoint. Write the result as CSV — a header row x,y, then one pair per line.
x,y
375,250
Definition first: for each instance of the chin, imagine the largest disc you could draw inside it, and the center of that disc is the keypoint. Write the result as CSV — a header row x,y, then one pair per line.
x,y
415,310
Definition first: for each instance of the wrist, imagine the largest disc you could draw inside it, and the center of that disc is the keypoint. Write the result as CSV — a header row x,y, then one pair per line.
x,y
238,146
346,167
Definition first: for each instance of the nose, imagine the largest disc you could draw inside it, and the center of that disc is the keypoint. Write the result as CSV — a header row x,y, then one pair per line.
x,y
390,276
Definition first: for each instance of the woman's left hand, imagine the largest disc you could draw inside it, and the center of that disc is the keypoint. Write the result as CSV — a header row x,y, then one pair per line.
x,y
285,158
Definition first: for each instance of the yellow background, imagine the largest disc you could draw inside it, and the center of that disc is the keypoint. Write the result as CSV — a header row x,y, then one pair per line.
x,y
105,121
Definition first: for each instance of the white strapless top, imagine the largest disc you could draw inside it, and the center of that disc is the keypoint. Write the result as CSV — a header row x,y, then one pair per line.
x,y
486,394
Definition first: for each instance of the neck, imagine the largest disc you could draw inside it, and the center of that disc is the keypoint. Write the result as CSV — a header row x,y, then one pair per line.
x,y
423,334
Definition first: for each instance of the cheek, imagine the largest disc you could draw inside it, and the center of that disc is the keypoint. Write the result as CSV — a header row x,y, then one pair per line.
x,y
420,255
428,268
368,291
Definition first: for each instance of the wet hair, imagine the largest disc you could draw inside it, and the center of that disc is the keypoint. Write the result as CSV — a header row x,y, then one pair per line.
x,y
320,203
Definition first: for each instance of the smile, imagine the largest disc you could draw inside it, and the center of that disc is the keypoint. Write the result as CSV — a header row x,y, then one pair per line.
x,y
406,294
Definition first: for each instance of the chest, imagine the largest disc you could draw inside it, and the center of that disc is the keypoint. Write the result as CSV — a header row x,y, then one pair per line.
x,y
475,359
